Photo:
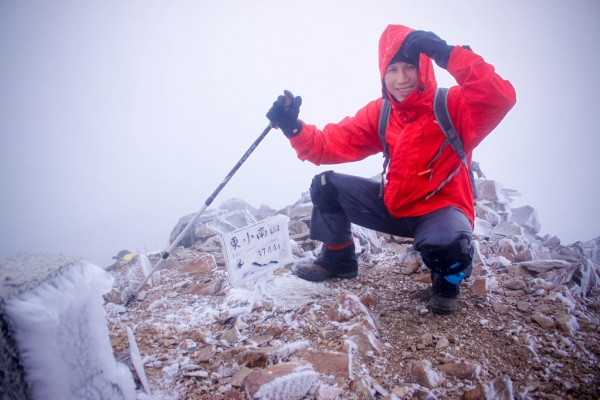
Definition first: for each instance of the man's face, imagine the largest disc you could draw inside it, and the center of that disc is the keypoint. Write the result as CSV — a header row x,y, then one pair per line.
x,y
401,79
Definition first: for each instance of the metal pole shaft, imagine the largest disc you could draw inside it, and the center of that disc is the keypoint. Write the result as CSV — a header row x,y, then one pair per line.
x,y
165,254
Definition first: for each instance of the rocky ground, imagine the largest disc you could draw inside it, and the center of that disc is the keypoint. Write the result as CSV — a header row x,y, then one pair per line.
x,y
369,336
526,326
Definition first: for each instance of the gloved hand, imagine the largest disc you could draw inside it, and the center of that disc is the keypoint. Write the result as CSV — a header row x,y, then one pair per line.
x,y
284,114
429,44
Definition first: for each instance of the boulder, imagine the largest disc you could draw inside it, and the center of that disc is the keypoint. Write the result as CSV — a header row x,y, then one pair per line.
x,y
284,381
237,205
527,217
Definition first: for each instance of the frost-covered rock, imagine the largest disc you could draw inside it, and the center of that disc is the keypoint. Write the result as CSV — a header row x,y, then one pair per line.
x,y
52,308
127,277
234,204
284,381
211,223
527,217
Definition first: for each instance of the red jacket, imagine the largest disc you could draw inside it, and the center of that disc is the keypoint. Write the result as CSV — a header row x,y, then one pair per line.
x,y
477,105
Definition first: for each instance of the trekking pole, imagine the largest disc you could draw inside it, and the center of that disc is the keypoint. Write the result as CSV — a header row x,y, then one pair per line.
x,y
165,254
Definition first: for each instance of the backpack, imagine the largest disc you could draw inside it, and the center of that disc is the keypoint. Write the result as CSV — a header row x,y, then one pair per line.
x,y
442,116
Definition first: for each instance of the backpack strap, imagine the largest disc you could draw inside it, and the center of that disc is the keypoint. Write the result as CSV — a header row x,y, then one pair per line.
x,y
384,119
442,116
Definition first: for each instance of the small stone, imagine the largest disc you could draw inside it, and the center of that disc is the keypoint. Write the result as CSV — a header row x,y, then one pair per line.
x,y
523,306
484,322
514,293
239,377
421,373
464,370
567,323
543,321
427,339
421,346
325,392
515,285
499,308
559,354
442,343
424,277
231,336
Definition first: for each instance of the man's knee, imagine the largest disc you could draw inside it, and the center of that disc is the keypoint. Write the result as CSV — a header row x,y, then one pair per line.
x,y
449,259
323,193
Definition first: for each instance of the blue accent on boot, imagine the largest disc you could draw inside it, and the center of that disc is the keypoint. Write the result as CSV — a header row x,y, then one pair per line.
x,y
456,264
455,279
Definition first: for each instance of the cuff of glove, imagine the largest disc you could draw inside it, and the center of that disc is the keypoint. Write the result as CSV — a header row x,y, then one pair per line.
x,y
292,130
443,56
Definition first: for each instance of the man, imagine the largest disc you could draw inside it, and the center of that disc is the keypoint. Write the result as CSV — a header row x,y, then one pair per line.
x,y
428,194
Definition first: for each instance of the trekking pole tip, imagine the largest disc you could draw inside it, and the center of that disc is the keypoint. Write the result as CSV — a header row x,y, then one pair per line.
x,y
130,299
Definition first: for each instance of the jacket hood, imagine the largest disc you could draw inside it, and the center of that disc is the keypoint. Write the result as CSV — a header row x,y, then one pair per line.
x,y
390,42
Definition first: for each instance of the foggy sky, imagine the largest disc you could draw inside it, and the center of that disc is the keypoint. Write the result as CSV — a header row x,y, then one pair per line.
x,y
119,117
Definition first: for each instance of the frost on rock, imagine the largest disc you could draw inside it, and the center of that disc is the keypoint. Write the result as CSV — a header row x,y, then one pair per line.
x,y
60,329
127,277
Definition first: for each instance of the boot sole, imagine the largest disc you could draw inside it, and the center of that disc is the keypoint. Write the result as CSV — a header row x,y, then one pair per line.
x,y
346,275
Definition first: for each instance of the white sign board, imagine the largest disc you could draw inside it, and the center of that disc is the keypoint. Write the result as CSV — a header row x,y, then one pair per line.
x,y
257,249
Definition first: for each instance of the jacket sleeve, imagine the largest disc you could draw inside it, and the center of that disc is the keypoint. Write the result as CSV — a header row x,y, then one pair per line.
x,y
352,139
482,98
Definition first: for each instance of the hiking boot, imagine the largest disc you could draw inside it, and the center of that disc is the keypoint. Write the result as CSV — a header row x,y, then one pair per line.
x,y
444,295
341,264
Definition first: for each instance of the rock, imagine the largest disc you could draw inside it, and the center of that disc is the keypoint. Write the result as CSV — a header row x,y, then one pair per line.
x,y
523,306
424,277
204,264
553,241
506,229
497,389
499,308
514,293
489,190
518,269
527,217
463,370
209,288
231,336
482,228
442,343
284,381
275,329
540,266
239,377
325,392
559,354
237,205
421,373
543,321
204,354
329,363
567,323
363,387
427,339
365,340
348,307
516,284
301,212
483,286
368,298
127,277
487,214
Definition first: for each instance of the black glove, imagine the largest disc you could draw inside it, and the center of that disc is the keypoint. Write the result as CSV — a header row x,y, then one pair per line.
x,y
284,114
429,44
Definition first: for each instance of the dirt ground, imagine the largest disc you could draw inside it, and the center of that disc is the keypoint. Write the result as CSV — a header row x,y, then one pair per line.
x,y
194,331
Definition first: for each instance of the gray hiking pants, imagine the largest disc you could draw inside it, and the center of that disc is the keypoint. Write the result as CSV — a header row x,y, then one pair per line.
x,y
340,200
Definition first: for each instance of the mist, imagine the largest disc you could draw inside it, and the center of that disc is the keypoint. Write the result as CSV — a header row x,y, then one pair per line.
x,y
117,118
